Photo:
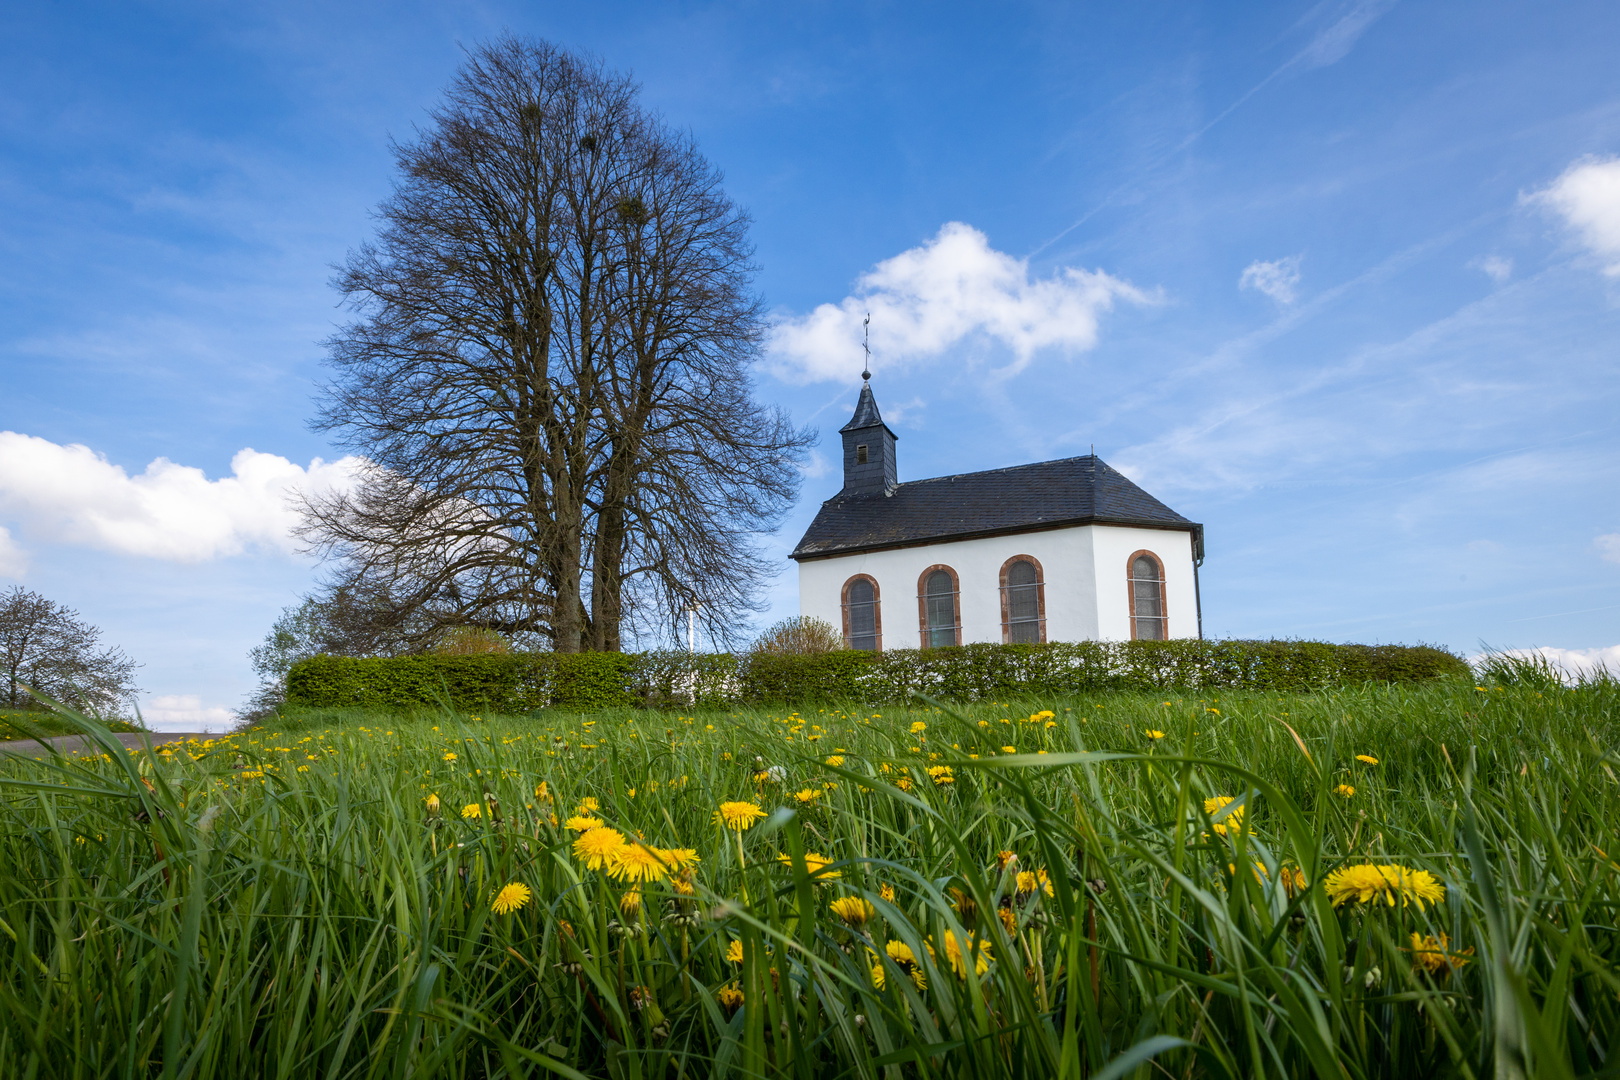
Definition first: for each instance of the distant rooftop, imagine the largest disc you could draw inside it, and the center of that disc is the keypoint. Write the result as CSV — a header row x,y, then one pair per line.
x,y
1023,498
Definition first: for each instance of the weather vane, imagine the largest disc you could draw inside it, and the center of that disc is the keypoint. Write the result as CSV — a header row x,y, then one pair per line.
x,y
866,343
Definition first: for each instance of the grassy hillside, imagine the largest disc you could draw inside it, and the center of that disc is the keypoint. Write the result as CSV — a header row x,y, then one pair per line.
x,y
1405,880
25,723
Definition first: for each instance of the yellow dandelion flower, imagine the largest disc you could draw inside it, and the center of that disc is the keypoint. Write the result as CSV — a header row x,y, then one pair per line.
x,y
449,755
904,783
1009,749
807,796
510,898
1044,714
598,846
580,823
1433,954
941,775
729,997
738,815
886,891
979,950
1232,821
1369,882
918,727
1005,859
679,859
433,804
637,862
852,910
815,865
1368,758
1031,881
630,904
734,952
541,792
1345,790
588,805
901,954
472,811
1152,734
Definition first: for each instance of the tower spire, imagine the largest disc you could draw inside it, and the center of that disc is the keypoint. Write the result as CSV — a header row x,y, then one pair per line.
x,y
866,343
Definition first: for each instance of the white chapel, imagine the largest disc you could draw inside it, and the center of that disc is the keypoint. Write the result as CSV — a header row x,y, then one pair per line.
x,y
1066,550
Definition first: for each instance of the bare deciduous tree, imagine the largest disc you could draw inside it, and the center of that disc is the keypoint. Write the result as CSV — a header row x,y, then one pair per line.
x,y
551,372
44,646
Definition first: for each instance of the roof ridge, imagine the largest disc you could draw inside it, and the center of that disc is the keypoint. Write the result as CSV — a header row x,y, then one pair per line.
x,y
1011,468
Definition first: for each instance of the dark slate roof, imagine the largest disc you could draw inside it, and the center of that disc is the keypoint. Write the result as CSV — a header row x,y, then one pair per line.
x,y
1046,495
866,412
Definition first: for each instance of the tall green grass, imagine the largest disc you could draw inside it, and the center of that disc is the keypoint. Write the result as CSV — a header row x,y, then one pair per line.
x,y
285,903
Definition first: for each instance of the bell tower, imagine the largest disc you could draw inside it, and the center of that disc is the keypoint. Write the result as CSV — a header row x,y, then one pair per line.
x,y
869,460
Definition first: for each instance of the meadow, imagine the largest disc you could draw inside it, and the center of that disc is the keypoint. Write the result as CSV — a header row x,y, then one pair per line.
x,y
1368,882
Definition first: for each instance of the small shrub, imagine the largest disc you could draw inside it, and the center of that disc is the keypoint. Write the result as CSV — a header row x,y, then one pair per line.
x,y
799,636
471,641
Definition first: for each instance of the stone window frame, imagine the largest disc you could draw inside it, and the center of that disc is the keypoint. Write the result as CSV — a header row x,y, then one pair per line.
x,y
1040,598
1130,591
922,603
877,608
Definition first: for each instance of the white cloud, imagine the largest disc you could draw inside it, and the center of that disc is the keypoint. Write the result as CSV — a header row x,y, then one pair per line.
x,y
816,466
1574,662
13,559
185,712
931,298
71,494
1587,197
1608,546
1495,267
1276,279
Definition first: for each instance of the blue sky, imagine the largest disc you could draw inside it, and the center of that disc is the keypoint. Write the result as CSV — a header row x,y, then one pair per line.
x,y
1339,280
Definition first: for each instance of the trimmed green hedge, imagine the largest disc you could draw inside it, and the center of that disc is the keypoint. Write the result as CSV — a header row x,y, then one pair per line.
x,y
589,681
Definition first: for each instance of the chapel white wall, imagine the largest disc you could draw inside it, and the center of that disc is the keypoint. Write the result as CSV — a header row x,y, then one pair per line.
x,y
1112,550
1084,569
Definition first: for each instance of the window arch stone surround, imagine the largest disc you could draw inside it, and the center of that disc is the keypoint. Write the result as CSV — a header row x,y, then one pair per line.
x,y
924,637
877,609
1040,598
1131,579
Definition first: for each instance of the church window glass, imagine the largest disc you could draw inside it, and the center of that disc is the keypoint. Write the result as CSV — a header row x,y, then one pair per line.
x,y
860,454
1023,601
862,625
939,608
1148,621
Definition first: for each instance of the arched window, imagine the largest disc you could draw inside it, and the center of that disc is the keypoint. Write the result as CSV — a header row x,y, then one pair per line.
x,y
863,617
1149,621
936,607
1023,601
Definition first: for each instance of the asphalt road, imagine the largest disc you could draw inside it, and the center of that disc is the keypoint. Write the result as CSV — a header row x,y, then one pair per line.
x,y
78,744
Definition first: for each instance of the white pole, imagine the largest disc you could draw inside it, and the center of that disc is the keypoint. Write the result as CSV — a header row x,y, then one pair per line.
x,y
691,628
